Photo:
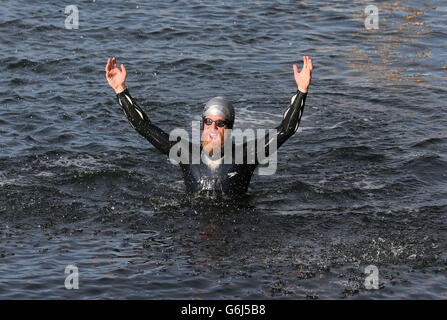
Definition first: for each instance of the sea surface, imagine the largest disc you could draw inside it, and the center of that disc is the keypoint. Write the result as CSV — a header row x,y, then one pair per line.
x,y
362,183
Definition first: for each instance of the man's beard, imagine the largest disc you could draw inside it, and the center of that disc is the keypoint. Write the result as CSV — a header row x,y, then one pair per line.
x,y
212,146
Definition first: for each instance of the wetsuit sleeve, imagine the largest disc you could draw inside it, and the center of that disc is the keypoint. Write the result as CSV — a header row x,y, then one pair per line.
x,y
290,122
141,123
292,117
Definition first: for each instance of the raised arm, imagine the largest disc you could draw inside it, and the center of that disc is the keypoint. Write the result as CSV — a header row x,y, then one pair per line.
x,y
138,119
292,115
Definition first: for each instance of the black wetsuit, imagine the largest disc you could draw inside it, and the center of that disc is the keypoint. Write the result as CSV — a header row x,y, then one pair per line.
x,y
229,179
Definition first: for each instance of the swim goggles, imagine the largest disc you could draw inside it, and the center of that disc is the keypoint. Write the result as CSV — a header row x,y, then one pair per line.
x,y
219,123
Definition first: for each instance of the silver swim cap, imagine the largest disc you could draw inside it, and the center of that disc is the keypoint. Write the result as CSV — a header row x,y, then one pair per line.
x,y
219,106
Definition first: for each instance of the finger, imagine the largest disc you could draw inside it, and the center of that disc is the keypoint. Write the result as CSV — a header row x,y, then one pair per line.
x,y
124,71
295,70
108,65
109,69
304,62
311,66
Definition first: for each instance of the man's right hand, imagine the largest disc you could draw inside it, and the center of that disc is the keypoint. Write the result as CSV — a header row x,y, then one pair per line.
x,y
115,76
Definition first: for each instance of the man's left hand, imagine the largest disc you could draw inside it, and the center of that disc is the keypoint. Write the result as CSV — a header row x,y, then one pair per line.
x,y
303,78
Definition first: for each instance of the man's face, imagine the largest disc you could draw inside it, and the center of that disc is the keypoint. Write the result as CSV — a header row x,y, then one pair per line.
x,y
213,137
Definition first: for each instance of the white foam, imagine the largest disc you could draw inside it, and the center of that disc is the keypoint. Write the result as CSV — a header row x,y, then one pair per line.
x,y
82,162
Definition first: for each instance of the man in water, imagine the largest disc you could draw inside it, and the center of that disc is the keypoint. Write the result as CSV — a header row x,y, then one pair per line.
x,y
210,172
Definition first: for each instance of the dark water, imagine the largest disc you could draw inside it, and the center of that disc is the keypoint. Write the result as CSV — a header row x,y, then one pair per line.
x,y
363,182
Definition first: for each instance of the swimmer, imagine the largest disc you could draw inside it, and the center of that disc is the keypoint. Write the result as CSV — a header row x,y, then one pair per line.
x,y
212,173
